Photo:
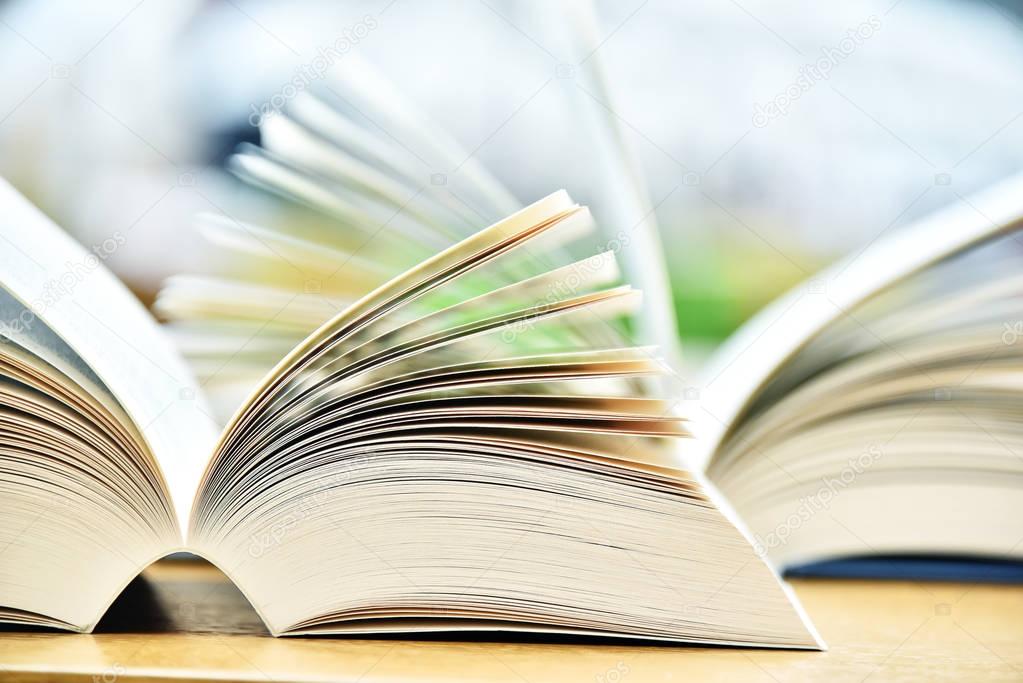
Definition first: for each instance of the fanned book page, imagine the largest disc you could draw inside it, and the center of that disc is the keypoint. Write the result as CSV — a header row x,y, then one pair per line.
x,y
330,208
452,451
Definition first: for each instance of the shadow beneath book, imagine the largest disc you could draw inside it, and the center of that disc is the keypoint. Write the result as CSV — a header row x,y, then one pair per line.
x,y
181,595
914,568
186,594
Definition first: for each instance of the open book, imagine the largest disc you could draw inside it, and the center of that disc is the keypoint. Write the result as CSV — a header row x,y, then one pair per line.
x,y
451,451
473,444
878,408
874,410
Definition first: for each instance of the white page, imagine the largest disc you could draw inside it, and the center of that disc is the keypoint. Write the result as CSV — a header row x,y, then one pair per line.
x,y
753,355
625,196
74,294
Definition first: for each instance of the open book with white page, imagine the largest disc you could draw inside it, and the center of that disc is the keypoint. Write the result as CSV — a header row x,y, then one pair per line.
x,y
878,408
474,444
875,410
451,451
458,449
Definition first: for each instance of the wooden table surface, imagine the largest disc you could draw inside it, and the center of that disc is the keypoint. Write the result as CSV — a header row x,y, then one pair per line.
x,y
186,622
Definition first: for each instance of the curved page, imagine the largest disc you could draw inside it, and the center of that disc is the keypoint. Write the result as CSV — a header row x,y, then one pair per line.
x,y
73,293
755,354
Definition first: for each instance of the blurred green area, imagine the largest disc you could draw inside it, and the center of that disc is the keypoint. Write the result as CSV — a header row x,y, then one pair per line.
x,y
719,281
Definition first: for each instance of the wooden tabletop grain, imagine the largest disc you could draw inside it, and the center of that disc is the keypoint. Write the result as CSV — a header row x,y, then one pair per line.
x,y
184,622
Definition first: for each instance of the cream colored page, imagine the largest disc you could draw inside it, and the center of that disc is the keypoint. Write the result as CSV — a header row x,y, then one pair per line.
x,y
534,214
73,293
753,355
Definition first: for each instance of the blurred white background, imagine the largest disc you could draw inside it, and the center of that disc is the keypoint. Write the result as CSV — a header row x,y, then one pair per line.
x,y
119,113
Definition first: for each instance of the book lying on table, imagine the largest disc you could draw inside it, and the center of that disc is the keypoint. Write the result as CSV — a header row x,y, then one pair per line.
x,y
453,451
457,450
475,444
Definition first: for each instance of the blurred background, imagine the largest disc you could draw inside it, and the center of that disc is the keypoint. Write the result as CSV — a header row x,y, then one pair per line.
x,y
769,138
